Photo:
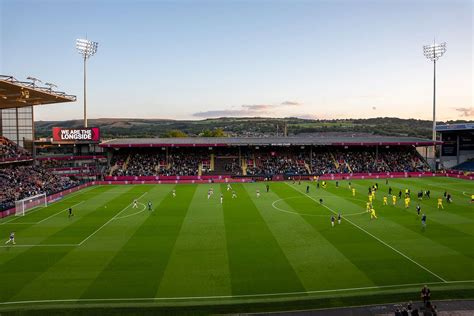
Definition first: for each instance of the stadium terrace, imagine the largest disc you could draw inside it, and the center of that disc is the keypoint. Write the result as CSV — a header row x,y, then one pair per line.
x,y
276,158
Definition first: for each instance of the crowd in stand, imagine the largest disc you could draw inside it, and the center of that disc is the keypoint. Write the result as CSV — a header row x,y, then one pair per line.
x,y
10,151
277,164
19,182
155,163
271,162
233,167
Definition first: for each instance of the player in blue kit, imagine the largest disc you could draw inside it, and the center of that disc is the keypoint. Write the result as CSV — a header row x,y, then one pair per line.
x,y
423,221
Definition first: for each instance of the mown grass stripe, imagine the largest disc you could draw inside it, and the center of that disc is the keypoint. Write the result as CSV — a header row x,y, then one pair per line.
x,y
198,265
257,263
137,269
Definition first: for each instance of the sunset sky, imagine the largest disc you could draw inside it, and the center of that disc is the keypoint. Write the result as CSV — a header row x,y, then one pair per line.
x,y
198,59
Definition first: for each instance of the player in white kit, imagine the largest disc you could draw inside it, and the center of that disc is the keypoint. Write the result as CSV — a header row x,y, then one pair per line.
x,y
11,239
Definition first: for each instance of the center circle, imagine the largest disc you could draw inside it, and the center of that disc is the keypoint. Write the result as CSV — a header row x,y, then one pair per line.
x,y
274,205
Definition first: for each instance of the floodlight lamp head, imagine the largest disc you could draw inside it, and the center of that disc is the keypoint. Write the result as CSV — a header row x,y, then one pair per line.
x,y
50,85
434,51
86,48
33,79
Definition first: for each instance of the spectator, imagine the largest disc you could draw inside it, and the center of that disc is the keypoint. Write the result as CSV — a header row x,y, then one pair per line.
x,y
425,295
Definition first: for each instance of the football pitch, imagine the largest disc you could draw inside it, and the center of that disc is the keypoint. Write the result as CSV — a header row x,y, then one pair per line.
x,y
277,251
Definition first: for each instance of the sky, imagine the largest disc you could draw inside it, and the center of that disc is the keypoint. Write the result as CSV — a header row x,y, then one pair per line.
x,y
198,59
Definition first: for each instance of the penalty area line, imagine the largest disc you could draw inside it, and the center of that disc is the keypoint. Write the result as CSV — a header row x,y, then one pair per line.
x,y
375,237
37,208
59,212
138,299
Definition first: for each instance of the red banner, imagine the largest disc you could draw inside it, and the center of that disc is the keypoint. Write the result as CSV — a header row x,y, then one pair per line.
x,y
72,135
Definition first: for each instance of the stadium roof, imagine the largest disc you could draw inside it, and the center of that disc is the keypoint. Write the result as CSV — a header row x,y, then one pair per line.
x,y
455,127
17,94
267,141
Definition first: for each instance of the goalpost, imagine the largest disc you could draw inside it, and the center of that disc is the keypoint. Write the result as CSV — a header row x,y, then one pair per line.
x,y
27,204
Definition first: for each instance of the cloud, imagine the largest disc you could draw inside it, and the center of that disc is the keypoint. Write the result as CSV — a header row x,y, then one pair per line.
x,y
257,107
465,112
292,103
229,113
246,110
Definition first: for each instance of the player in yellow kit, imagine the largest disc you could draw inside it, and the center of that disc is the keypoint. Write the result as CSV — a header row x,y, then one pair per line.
x,y
353,192
440,203
394,200
371,198
472,198
385,200
373,194
372,214
368,206
407,202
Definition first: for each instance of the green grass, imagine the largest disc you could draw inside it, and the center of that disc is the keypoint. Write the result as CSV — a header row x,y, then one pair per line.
x,y
279,251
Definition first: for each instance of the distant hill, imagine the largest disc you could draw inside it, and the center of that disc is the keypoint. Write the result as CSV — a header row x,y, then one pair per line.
x,y
123,127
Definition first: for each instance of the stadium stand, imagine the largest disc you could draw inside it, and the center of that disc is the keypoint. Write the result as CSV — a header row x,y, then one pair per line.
x,y
18,181
9,151
291,161
465,166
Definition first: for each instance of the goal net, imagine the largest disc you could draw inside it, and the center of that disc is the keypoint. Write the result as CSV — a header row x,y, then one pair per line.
x,y
27,204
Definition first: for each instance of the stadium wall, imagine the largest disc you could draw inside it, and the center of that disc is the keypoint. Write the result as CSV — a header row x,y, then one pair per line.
x,y
340,176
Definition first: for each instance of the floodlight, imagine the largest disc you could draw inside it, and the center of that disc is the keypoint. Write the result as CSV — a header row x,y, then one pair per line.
x,y
87,49
433,52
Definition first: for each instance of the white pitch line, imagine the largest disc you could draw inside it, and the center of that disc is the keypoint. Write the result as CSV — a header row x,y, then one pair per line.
x,y
306,214
450,189
24,223
59,212
376,238
116,215
125,216
137,299
15,218
73,194
39,245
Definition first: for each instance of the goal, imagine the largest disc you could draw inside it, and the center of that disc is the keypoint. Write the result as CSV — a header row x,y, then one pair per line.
x,y
27,204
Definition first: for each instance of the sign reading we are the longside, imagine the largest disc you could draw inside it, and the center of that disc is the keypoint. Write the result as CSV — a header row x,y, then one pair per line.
x,y
86,134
